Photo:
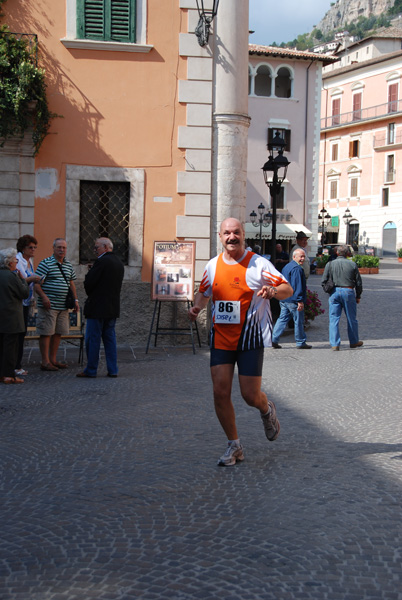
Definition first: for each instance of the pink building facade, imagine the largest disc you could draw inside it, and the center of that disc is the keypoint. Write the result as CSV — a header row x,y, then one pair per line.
x,y
361,146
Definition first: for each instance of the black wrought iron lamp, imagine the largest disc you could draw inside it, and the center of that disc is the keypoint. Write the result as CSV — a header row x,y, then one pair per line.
x,y
347,218
324,219
263,219
278,166
206,16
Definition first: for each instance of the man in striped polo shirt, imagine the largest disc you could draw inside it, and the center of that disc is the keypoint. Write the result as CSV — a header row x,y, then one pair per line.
x,y
57,275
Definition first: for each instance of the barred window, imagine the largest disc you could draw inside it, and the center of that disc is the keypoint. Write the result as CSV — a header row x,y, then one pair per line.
x,y
104,212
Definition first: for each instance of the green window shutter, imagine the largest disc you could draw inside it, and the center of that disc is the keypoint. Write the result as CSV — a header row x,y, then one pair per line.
x,y
109,20
122,23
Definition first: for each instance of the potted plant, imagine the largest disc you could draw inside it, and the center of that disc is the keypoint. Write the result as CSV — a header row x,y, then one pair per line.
x,y
23,100
400,255
361,262
373,264
322,260
312,308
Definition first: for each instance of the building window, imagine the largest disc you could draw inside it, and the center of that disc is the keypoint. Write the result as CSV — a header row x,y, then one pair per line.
x,y
104,212
354,148
354,184
263,81
283,83
284,133
391,133
393,98
390,169
357,106
336,111
334,152
333,189
136,179
107,20
385,197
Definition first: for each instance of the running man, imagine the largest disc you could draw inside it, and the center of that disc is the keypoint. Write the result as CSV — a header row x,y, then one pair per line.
x,y
239,283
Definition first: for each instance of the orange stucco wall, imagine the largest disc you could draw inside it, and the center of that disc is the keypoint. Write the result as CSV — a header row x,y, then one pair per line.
x,y
119,109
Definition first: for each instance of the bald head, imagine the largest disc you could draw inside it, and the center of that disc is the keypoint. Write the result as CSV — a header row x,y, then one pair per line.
x,y
231,222
232,237
299,256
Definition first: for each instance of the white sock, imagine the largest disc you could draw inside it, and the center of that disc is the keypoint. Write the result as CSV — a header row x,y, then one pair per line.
x,y
234,442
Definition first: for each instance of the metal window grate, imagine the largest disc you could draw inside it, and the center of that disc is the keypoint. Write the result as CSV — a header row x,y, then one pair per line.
x,y
104,212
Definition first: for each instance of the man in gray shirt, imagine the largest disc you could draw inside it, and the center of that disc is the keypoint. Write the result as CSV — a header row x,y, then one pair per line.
x,y
346,295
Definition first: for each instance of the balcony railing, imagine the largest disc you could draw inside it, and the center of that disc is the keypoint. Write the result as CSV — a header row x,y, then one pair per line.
x,y
30,38
389,176
363,114
382,139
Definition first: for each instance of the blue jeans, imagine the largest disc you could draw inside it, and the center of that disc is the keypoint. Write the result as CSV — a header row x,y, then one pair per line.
x,y
97,330
289,309
342,298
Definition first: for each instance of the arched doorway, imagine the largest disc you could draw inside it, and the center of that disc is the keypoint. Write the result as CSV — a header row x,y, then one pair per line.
x,y
389,239
352,237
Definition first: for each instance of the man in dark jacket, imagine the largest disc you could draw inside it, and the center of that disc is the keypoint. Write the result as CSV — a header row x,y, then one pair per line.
x,y
102,307
294,305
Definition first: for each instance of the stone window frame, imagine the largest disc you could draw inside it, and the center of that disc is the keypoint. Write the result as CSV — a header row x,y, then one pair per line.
x,y
136,178
72,42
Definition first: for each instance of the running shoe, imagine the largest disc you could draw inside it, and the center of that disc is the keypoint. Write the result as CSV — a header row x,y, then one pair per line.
x,y
271,423
233,453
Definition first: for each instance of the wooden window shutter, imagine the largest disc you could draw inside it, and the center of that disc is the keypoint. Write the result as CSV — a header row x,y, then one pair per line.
x,y
350,149
109,20
122,20
393,97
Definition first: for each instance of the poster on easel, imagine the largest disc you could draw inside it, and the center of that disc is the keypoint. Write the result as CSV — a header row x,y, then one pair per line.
x,y
173,271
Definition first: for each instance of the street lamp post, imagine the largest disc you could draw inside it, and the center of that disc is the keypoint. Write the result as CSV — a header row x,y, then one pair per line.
x,y
347,218
323,221
278,166
262,219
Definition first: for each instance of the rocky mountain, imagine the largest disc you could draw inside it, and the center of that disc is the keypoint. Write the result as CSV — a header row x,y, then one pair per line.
x,y
348,11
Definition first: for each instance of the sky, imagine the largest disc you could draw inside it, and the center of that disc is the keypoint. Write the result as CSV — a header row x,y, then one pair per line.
x,y
278,22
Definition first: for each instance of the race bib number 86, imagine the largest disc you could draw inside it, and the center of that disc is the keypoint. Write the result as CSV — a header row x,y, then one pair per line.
x,y
227,312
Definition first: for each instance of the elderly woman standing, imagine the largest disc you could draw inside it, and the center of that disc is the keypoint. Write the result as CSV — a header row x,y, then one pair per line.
x,y
13,289
26,246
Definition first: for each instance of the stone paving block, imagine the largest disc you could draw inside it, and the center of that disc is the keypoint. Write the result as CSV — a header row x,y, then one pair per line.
x,y
110,488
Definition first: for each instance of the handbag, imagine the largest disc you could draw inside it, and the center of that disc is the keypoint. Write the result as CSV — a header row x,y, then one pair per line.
x,y
329,285
70,300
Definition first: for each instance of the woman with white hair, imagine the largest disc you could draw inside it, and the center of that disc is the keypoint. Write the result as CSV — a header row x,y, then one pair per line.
x,y
13,289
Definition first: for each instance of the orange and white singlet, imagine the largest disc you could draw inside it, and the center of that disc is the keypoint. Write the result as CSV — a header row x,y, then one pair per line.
x,y
241,320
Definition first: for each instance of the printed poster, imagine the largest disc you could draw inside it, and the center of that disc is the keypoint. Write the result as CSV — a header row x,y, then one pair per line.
x,y
173,271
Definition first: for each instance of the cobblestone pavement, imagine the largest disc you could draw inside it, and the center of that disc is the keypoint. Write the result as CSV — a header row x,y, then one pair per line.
x,y
110,488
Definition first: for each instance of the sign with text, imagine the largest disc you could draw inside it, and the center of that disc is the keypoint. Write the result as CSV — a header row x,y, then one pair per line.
x,y
173,271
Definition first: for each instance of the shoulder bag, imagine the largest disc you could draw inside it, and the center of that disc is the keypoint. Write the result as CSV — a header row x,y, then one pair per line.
x,y
70,300
328,286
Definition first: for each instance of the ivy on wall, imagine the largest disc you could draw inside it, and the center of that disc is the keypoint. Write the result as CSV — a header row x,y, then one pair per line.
x,y
23,101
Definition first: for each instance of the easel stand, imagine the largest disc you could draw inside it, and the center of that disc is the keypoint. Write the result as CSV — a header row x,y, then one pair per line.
x,y
171,330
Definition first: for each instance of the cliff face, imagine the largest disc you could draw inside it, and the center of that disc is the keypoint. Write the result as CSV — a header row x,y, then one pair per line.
x,y
346,11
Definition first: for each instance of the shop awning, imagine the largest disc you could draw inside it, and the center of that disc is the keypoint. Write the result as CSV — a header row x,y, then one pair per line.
x,y
284,231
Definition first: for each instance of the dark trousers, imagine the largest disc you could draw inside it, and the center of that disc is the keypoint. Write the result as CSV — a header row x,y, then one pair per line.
x,y
8,353
21,338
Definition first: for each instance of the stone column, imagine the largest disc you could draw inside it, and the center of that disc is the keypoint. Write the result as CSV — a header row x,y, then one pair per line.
x,y
230,120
